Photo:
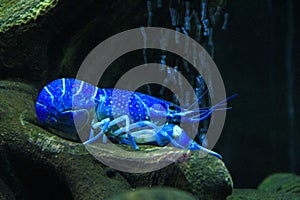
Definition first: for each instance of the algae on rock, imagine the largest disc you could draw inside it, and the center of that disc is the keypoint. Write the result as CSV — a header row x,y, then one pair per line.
x,y
155,193
18,12
282,182
275,187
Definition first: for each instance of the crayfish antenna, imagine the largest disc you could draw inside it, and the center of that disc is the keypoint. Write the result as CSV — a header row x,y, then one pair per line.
x,y
218,107
201,114
197,100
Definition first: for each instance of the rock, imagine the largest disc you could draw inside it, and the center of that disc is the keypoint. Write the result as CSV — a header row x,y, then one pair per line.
x,y
38,38
28,150
155,193
34,33
275,187
253,194
24,38
205,178
281,183
17,13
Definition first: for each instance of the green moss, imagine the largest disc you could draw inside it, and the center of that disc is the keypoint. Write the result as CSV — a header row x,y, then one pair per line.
x,y
252,194
155,194
283,182
275,187
17,12
212,173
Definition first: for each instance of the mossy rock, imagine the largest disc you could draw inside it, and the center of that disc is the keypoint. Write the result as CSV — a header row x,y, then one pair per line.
x,y
253,194
33,34
18,12
204,177
282,182
156,193
275,187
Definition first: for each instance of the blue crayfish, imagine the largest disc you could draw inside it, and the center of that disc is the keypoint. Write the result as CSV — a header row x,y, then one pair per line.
x,y
120,115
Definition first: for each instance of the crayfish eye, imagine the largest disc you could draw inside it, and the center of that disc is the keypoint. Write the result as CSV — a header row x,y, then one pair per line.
x,y
172,108
52,121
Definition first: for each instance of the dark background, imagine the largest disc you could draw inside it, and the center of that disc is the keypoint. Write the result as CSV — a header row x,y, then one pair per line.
x,y
258,57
